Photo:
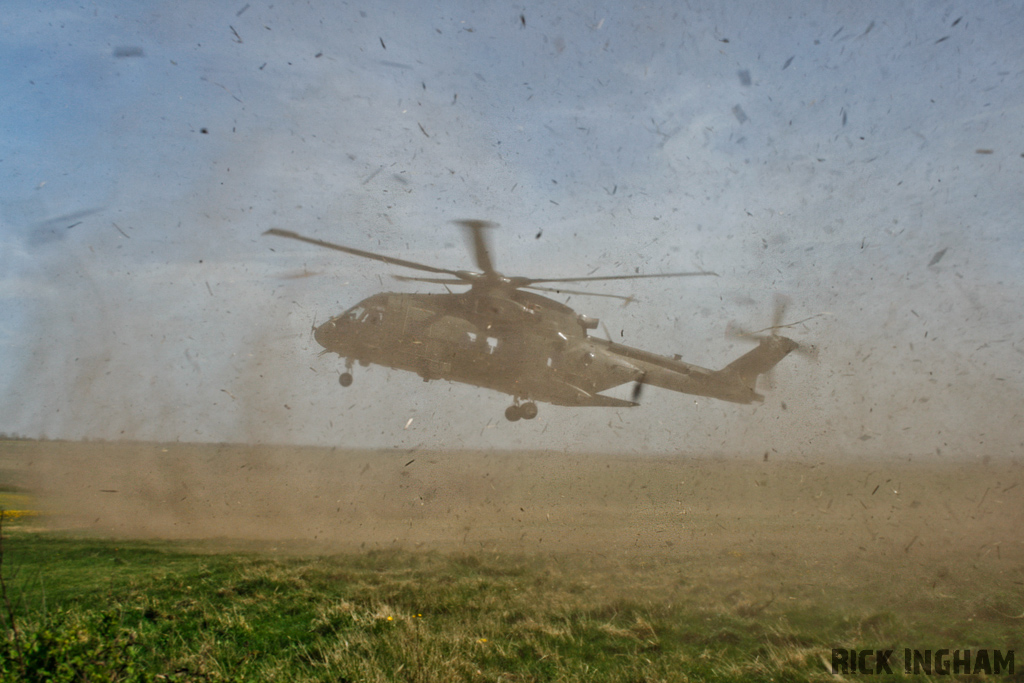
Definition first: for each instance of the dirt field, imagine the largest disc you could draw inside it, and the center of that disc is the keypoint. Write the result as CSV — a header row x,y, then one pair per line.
x,y
742,567
789,526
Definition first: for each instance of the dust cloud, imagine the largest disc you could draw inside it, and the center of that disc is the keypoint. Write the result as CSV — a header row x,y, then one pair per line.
x,y
810,520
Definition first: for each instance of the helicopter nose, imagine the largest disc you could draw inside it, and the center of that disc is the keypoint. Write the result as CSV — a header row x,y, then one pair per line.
x,y
325,333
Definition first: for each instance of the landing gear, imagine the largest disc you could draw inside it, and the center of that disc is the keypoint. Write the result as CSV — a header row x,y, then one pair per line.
x,y
345,378
525,411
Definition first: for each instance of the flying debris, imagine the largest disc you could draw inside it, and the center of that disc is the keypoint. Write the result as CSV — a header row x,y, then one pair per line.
x,y
129,51
938,256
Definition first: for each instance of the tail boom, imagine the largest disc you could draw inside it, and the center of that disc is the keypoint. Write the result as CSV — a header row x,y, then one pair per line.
x,y
736,382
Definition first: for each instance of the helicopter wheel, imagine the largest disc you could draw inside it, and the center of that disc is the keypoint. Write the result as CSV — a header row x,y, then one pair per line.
x,y
512,413
528,410
345,379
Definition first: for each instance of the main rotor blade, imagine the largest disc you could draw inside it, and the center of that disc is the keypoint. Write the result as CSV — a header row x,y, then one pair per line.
x,y
431,280
581,293
596,278
359,252
480,251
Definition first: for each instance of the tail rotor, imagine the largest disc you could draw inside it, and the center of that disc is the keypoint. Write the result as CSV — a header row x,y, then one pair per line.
x,y
782,302
770,338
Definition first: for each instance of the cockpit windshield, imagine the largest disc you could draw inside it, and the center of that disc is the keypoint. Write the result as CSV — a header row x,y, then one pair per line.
x,y
365,314
355,313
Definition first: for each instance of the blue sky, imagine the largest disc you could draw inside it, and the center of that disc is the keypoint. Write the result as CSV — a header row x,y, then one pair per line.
x,y
823,150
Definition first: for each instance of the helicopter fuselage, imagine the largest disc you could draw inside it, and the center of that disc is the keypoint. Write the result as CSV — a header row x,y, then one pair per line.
x,y
524,344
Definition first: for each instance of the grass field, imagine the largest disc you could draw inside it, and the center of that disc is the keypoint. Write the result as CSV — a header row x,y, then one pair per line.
x,y
544,569
394,615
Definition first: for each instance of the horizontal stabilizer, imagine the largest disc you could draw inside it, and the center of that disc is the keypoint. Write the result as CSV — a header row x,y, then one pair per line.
x,y
609,402
585,398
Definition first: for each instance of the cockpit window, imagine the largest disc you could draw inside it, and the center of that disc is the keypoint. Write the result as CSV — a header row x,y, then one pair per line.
x,y
355,314
361,314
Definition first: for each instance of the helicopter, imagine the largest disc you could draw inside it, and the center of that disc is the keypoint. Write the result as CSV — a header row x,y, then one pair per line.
x,y
502,336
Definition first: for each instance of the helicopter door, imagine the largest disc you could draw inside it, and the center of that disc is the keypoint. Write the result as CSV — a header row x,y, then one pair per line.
x,y
426,344
417,323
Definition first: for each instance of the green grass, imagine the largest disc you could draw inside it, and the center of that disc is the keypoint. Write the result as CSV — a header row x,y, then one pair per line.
x,y
155,611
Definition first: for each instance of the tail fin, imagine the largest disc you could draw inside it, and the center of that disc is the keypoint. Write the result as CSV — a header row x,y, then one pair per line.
x,y
770,350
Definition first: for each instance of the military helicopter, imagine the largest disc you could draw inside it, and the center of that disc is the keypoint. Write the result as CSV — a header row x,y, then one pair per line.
x,y
499,336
